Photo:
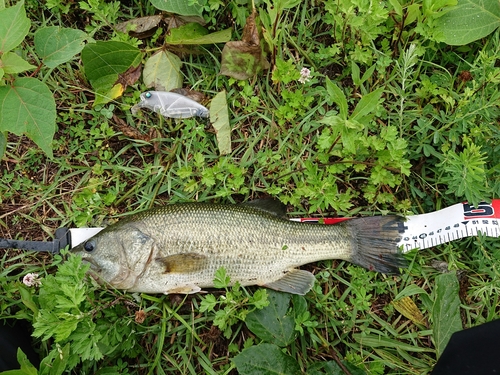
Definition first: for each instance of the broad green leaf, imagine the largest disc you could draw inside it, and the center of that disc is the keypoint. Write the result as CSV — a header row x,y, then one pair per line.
x,y
163,71
272,323
338,97
27,106
11,63
446,310
265,359
181,7
194,33
57,45
219,117
14,26
469,20
366,106
104,61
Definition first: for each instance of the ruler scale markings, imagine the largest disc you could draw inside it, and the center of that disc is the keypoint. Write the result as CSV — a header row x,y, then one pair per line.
x,y
451,223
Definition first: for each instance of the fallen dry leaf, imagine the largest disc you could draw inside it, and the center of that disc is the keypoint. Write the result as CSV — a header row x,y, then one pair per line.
x,y
129,77
244,59
142,27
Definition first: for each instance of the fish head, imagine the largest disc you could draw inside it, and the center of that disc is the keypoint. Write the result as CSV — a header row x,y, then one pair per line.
x,y
117,255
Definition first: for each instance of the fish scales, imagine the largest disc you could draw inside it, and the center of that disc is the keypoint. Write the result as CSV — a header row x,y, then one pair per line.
x,y
251,246
178,248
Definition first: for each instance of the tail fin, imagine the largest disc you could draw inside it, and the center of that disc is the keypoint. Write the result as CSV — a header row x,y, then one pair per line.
x,y
375,243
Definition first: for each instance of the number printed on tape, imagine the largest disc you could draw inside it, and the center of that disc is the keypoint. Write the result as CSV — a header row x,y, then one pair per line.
x,y
451,223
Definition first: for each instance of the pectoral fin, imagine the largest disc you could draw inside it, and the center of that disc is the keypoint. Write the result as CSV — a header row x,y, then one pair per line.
x,y
294,281
178,263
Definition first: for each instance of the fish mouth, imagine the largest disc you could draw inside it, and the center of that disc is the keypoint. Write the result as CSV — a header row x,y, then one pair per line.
x,y
94,271
94,267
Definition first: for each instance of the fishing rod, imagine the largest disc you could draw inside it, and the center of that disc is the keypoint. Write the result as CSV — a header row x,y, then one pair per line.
x,y
418,231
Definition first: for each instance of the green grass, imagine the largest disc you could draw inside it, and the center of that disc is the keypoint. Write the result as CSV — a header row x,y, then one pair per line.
x,y
424,137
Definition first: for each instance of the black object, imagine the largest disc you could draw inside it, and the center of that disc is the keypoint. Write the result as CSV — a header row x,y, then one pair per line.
x,y
472,351
61,240
15,334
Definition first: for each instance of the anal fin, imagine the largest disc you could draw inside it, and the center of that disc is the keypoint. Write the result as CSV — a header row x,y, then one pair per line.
x,y
294,282
185,289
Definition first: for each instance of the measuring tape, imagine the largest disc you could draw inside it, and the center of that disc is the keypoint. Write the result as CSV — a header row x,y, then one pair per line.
x,y
420,231
446,225
450,224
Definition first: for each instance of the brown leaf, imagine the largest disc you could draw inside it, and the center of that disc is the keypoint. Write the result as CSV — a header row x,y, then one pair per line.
x,y
408,309
133,133
177,21
140,316
129,131
244,59
130,77
142,27
250,31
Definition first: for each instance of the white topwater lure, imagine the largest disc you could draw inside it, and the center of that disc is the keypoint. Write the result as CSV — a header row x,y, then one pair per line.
x,y
171,104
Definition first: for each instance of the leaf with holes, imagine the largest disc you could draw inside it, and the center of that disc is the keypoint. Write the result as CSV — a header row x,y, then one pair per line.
x,y
56,45
28,107
163,71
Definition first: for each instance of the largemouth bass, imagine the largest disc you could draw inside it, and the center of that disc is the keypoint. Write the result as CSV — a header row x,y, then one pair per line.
x,y
178,248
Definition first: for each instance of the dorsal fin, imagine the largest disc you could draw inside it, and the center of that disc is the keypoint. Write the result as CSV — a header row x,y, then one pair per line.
x,y
268,205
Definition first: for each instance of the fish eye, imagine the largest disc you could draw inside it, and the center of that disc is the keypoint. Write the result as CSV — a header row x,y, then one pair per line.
x,y
89,246
147,95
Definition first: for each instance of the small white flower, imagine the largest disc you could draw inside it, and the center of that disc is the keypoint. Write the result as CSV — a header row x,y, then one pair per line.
x,y
31,279
305,75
